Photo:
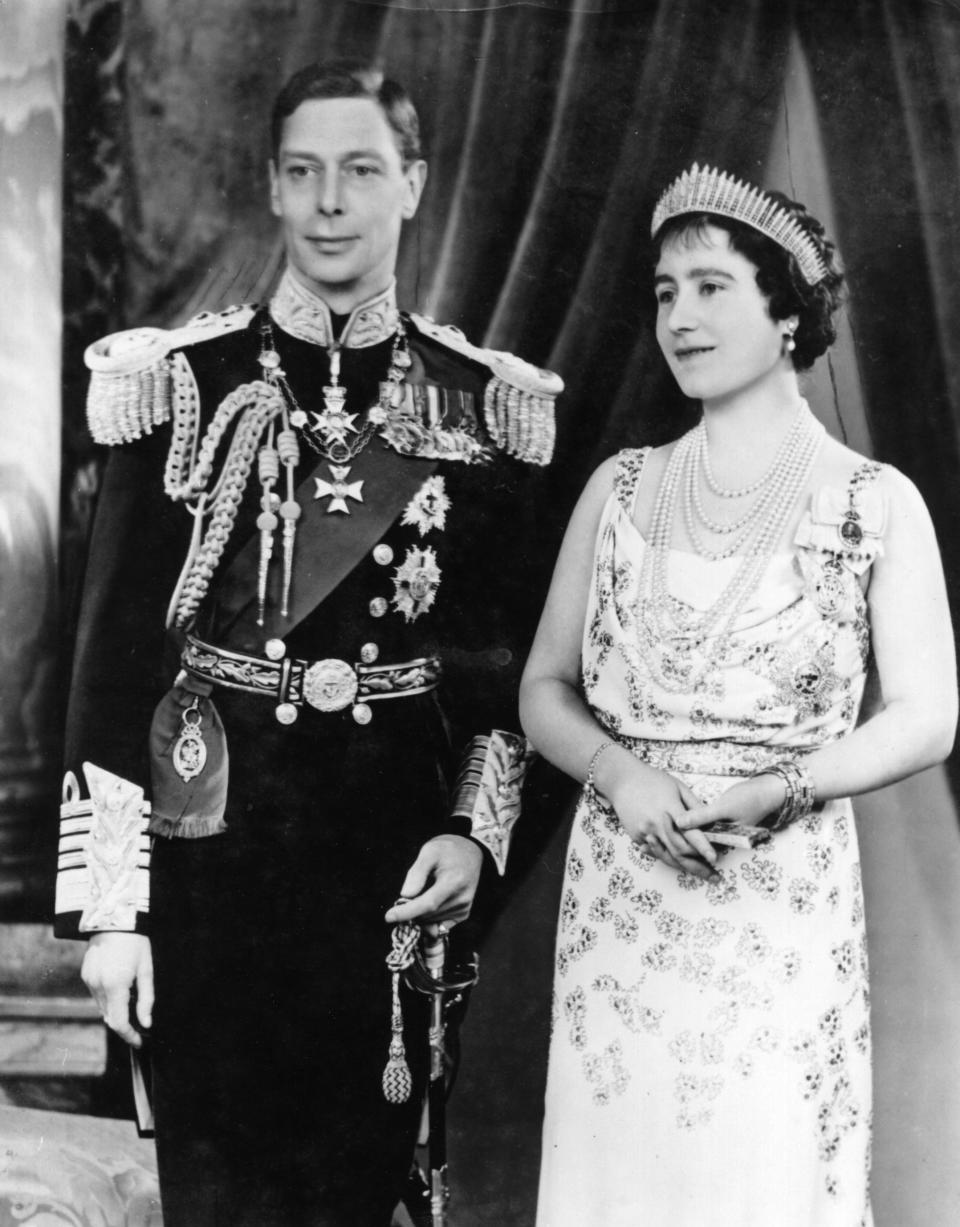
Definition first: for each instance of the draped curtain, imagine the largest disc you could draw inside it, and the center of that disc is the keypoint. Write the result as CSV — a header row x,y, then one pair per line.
x,y
550,129
886,76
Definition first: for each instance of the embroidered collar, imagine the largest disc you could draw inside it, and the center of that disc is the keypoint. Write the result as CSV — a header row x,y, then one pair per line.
x,y
307,317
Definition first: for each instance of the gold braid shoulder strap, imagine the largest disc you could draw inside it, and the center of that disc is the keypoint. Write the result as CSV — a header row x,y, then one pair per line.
x,y
519,399
135,383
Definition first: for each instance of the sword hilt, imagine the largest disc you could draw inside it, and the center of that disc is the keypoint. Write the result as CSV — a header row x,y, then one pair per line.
x,y
434,949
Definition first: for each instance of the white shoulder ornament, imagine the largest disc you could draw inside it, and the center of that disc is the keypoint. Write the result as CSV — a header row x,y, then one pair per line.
x,y
518,403
134,381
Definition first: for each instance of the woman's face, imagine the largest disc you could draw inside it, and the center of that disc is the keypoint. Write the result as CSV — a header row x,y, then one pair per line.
x,y
713,323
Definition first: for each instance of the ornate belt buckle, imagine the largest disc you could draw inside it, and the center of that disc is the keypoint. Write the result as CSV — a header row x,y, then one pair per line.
x,y
330,685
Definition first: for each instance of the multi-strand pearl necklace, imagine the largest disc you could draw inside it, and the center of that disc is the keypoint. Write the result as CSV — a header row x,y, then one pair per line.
x,y
671,638
766,487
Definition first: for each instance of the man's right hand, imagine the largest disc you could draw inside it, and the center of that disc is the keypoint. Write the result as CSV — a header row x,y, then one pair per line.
x,y
113,964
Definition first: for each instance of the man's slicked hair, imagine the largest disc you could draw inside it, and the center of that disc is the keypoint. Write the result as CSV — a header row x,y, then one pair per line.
x,y
345,78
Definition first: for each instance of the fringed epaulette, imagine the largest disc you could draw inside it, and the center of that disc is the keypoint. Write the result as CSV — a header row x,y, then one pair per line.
x,y
134,380
519,399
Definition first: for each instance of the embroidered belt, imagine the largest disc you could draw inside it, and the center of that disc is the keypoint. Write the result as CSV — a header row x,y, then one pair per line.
x,y
327,685
710,757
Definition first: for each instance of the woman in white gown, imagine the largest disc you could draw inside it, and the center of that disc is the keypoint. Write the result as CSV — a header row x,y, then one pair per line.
x,y
701,660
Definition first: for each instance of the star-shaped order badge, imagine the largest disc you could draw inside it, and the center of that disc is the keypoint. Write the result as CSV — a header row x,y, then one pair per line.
x,y
339,490
428,508
415,583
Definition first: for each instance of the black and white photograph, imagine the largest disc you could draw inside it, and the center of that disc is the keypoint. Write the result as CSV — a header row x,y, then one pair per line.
x,y
479,560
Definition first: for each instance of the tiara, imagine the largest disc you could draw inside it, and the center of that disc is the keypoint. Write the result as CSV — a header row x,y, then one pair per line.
x,y
714,191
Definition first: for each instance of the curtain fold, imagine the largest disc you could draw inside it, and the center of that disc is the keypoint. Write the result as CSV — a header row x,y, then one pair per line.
x,y
595,83
483,136
925,54
498,188
886,231
705,91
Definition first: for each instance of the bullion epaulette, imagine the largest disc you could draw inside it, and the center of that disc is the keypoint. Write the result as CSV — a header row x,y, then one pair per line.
x,y
519,399
133,379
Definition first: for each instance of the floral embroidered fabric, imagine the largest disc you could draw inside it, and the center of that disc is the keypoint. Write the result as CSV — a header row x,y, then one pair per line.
x,y
710,1052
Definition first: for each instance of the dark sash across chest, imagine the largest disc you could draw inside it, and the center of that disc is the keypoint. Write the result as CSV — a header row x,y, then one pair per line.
x,y
329,542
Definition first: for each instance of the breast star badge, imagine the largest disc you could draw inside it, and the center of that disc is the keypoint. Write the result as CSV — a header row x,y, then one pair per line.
x,y
339,490
416,582
429,506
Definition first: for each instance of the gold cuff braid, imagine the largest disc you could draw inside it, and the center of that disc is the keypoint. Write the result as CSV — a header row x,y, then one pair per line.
x,y
488,789
103,869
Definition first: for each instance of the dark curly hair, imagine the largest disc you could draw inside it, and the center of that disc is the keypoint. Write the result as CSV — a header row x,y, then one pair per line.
x,y
778,275
347,78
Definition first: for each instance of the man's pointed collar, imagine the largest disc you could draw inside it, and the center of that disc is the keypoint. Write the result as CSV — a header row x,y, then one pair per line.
x,y
307,317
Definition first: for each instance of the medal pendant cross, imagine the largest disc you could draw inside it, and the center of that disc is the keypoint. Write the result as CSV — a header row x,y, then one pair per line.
x,y
334,424
339,490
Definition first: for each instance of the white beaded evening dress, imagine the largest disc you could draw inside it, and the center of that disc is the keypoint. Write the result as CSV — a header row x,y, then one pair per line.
x,y
710,1047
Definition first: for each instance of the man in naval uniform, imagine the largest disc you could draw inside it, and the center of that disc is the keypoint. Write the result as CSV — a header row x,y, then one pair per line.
x,y
308,602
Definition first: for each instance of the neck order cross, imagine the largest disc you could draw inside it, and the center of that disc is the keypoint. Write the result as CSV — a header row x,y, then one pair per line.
x,y
333,434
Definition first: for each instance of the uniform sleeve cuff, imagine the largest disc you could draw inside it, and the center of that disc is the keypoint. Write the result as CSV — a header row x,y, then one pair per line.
x,y
488,790
103,872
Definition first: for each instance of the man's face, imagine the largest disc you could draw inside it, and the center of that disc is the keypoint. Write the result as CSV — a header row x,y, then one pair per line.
x,y
340,188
